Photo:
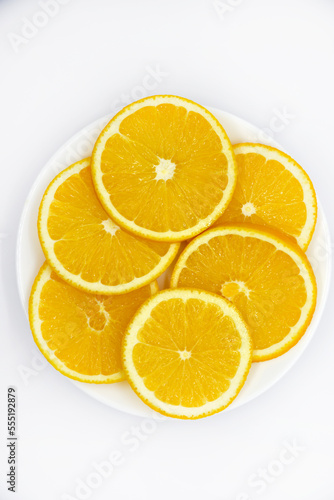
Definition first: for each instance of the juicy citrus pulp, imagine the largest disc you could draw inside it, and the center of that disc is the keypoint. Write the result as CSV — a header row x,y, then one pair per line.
x,y
164,168
85,247
80,334
187,353
266,276
272,190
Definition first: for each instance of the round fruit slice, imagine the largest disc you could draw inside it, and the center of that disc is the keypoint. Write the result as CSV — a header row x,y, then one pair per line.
x,y
264,274
164,168
272,190
80,334
187,353
86,248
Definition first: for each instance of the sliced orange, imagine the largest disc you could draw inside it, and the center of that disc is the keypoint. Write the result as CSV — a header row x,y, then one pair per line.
x,y
164,168
272,190
80,334
264,274
187,353
86,248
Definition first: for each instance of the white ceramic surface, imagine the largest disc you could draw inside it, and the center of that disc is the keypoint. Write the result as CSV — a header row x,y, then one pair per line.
x,y
30,257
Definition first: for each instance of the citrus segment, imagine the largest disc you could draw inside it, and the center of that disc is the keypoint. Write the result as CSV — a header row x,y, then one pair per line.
x,y
266,276
187,353
80,334
272,190
164,168
85,247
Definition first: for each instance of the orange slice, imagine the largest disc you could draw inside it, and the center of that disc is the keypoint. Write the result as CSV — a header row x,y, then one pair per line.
x,y
272,190
266,276
187,353
86,248
80,334
164,168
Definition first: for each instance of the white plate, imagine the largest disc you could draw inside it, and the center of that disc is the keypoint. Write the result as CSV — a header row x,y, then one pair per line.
x,y
30,258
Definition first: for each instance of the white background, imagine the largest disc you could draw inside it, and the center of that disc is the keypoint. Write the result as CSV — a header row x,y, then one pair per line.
x,y
254,58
